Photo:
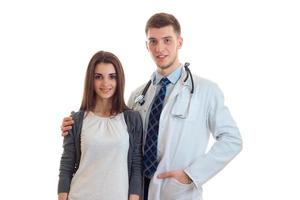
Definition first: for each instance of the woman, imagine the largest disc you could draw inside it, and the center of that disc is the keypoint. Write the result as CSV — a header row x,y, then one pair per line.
x,y
102,156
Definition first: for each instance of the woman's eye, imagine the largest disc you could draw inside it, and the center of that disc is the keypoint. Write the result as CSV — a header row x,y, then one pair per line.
x,y
113,76
97,77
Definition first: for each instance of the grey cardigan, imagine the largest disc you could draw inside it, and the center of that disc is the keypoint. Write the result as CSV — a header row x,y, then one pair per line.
x,y
71,155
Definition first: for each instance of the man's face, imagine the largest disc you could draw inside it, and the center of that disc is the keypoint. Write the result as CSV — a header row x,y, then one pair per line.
x,y
163,44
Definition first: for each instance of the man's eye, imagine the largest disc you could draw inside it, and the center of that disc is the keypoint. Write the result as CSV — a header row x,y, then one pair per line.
x,y
152,42
167,40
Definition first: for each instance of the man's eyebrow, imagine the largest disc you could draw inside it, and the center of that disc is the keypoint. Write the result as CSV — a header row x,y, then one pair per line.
x,y
152,38
166,37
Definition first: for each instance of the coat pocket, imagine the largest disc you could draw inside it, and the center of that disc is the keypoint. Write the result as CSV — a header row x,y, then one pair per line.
x,y
174,190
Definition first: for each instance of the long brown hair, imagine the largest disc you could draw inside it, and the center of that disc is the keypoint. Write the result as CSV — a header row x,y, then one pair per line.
x,y
160,20
89,95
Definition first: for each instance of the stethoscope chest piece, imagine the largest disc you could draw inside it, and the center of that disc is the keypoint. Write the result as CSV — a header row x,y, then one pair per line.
x,y
140,100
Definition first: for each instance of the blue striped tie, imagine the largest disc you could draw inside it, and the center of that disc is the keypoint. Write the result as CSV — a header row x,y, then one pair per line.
x,y
150,148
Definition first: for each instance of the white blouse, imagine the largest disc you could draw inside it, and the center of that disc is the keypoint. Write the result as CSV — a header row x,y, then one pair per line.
x,y
103,170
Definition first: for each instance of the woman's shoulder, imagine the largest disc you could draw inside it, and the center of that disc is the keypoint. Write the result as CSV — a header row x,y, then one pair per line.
x,y
132,116
132,113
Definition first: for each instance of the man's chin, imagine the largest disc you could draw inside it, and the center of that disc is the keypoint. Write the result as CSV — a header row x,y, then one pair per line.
x,y
162,65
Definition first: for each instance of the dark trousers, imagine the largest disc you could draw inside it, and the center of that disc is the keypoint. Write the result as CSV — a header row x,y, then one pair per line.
x,y
146,187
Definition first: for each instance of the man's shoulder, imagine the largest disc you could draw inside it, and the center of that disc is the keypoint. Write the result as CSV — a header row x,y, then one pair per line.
x,y
138,91
140,88
203,82
205,86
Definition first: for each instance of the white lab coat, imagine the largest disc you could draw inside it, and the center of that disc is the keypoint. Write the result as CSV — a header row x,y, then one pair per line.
x,y
186,122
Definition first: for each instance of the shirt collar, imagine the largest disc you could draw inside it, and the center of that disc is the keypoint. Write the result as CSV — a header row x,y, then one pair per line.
x,y
173,77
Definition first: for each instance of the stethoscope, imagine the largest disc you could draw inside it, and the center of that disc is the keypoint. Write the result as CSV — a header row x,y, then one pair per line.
x,y
141,98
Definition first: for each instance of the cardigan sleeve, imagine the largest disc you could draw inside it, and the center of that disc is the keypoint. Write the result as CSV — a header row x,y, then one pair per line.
x,y
67,163
136,179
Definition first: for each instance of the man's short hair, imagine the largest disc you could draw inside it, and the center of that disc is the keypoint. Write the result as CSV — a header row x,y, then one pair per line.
x,y
160,20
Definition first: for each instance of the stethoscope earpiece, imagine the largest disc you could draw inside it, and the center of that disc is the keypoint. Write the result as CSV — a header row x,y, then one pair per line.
x,y
187,69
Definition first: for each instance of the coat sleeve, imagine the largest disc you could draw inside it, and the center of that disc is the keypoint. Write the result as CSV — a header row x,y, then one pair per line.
x,y
67,164
136,179
228,142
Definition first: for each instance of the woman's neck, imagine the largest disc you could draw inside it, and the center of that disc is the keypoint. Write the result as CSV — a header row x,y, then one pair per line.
x,y
103,108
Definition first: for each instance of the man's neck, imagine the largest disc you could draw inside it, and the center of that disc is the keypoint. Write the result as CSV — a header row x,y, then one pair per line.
x,y
166,72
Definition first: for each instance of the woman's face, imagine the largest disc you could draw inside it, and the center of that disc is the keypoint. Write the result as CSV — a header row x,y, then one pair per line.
x,y
105,81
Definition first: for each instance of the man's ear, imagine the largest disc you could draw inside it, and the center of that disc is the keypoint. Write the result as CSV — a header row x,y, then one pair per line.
x,y
180,42
146,45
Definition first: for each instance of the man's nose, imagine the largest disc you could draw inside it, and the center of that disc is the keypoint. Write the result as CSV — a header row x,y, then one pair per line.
x,y
160,46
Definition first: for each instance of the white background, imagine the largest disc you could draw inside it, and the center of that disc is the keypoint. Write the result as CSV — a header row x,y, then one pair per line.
x,y
250,48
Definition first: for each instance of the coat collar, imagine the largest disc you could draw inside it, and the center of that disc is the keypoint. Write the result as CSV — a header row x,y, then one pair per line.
x,y
173,77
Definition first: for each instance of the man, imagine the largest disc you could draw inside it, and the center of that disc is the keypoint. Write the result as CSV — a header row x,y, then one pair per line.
x,y
179,112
